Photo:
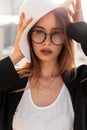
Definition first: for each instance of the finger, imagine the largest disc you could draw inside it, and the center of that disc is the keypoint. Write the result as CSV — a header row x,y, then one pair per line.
x,y
27,23
70,11
78,4
74,6
24,26
21,19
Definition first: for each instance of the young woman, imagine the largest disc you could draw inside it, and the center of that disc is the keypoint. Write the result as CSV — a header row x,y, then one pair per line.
x,y
49,93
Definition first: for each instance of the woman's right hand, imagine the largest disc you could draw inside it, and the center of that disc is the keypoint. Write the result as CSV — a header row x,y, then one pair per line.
x,y
16,54
76,11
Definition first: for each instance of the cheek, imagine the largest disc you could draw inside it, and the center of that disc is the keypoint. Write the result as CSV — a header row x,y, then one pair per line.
x,y
35,48
58,50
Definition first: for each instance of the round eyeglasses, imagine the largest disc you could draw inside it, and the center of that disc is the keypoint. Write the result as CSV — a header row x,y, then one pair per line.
x,y
38,36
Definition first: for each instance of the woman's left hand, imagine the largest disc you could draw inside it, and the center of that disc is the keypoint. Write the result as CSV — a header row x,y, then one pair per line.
x,y
16,54
75,11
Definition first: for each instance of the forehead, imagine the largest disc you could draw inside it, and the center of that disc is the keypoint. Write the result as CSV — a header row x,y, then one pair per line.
x,y
49,20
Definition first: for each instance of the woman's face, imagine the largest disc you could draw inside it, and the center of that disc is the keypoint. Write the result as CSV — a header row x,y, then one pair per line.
x,y
46,50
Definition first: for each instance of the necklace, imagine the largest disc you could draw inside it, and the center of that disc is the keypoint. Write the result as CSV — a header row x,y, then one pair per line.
x,y
47,87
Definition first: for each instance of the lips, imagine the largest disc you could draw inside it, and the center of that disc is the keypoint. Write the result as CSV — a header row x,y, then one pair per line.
x,y
46,51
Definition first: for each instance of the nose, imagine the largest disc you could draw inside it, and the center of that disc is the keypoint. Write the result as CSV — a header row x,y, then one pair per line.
x,y
47,40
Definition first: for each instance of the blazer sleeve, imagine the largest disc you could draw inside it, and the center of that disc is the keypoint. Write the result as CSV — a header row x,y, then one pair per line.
x,y
78,32
8,74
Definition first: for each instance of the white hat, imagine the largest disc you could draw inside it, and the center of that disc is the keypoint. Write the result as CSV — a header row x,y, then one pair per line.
x,y
37,9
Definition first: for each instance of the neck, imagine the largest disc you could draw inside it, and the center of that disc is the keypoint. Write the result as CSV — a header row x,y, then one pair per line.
x,y
49,69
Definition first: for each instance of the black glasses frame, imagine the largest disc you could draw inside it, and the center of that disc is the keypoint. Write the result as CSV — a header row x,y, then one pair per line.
x,y
45,36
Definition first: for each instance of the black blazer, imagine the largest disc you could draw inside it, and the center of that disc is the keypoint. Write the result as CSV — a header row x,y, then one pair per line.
x,y
77,85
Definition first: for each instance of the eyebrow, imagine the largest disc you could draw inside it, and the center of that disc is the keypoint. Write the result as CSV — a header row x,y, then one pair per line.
x,y
55,28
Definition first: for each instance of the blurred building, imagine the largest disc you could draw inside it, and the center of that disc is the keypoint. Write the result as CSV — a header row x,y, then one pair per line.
x,y
10,7
8,24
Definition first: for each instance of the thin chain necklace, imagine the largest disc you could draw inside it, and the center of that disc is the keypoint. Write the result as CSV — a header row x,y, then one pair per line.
x,y
47,87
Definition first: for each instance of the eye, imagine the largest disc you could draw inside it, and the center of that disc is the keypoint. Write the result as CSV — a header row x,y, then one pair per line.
x,y
56,33
37,33
57,37
38,36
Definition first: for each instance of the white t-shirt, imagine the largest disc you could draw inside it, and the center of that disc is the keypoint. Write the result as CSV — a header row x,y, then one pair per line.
x,y
57,116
